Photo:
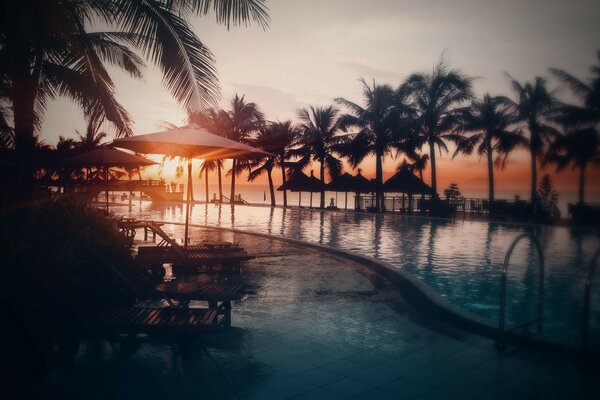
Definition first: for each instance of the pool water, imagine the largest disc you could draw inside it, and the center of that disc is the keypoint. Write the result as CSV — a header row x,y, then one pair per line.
x,y
461,260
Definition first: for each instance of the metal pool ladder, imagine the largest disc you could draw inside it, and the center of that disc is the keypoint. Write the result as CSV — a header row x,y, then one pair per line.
x,y
586,300
540,310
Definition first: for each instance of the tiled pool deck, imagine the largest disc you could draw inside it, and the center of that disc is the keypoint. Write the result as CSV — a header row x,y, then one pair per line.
x,y
316,326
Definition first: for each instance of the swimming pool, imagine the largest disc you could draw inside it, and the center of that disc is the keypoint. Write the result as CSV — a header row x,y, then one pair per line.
x,y
461,260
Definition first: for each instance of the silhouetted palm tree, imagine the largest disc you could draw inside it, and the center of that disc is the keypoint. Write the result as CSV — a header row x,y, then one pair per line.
x,y
437,99
46,52
319,142
588,93
578,148
536,107
491,122
284,136
264,139
208,166
239,123
419,163
215,121
379,126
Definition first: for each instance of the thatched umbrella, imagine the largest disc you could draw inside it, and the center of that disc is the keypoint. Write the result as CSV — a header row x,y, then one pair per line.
x,y
342,183
404,181
300,182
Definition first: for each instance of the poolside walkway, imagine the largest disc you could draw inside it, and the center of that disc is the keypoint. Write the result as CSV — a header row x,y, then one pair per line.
x,y
315,326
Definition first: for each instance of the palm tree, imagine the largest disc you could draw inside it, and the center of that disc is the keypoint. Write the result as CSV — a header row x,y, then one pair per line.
x,y
588,93
215,121
46,51
437,99
276,138
91,140
578,148
257,167
93,137
536,107
319,142
379,128
207,166
491,122
239,124
419,163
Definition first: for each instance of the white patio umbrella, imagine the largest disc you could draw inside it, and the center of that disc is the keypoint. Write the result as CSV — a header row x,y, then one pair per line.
x,y
190,142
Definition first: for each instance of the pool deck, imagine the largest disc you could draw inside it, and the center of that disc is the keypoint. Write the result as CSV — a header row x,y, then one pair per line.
x,y
314,325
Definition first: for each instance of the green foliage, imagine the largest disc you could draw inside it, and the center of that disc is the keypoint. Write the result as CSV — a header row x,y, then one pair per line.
x,y
51,239
452,192
547,196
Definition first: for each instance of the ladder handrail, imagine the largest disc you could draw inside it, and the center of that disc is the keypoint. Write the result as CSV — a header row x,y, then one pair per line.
x,y
586,299
541,268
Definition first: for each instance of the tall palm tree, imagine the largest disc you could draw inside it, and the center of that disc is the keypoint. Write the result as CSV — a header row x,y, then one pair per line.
x,y
264,164
379,126
208,166
46,51
276,138
578,148
215,121
588,93
536,107
438,99
319,142
239,123
491,124
283,137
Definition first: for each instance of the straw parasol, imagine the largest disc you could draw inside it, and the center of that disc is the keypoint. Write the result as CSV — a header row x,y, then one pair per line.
x,y
300,182
108,157
190,142
404,181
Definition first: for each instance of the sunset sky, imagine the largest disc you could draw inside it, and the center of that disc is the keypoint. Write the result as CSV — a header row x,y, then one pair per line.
x,y
314,51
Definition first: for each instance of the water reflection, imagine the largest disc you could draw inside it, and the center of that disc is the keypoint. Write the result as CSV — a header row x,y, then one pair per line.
x,y
459,259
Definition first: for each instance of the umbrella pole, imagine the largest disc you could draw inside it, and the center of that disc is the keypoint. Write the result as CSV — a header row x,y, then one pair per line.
x,y
299,199
310,199
187,204
106,179
346,202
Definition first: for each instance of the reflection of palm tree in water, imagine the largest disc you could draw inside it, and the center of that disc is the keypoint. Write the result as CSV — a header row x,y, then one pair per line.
x,y
378,223
232,216
321,227
270,223
333,230
283,221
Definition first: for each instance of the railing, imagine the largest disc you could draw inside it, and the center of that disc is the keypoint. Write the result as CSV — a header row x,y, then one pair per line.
x,y
540,312
586,300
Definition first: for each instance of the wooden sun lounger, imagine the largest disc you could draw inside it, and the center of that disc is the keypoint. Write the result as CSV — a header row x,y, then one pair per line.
x,y
157,320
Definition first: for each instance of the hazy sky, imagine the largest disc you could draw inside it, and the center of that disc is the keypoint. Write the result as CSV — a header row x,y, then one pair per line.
x,y
314,51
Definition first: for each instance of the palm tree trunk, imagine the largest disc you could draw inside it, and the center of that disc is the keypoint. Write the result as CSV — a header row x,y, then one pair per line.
x,y
271,188
379,183
191,193
220,184
283,179
206,183
581,183
322,168
533,176
432,157
24,115
490,171
231,198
